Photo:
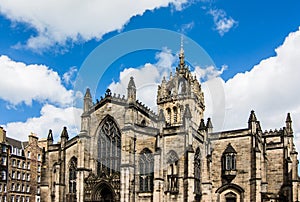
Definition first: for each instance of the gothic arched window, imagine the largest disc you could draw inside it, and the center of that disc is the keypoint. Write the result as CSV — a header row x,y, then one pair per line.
x,y
72,175
197,171
172,176
146,164
109,148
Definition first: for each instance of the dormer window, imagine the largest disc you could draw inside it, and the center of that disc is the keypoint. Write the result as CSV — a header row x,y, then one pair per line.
x,y
229,163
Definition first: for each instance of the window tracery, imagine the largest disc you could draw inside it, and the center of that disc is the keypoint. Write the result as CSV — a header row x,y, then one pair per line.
x,y
172,177
109,148
146,165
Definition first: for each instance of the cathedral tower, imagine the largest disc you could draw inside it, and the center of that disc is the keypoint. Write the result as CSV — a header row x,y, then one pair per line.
x,y
181,90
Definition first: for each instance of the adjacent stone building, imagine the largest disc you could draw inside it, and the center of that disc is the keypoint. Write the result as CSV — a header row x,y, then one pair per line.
x,y
126,152
21,164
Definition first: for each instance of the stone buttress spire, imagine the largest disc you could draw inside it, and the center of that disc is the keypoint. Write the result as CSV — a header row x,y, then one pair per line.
x,y
288,123
50,137
87,101
64,137
131,91
209,125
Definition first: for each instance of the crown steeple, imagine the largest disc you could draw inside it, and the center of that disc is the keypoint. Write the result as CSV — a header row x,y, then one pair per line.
x,y
180,96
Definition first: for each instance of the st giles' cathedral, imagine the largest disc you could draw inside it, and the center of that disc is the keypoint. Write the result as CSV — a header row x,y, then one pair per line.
x,y
126,152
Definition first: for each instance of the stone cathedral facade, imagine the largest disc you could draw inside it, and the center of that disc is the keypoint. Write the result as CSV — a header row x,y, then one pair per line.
x,y
126,152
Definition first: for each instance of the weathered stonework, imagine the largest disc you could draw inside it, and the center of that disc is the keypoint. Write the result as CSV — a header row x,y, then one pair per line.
x,y
126,152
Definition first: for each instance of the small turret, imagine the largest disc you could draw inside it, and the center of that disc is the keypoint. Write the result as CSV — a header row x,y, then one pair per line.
x,y
50,137
202,125
252,121
64,133
252,117
64,136
288,123
209,126
87,101
131,91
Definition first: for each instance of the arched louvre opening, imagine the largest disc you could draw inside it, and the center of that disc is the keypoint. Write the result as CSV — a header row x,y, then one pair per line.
x,y
109,148
71,197
169,116
175,114
146,168
197,173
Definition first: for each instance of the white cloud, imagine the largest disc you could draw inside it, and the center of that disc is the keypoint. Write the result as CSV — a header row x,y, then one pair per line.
x,y
208,73
187,27
23,83
222,23
59,21
68,77
51,118
270,88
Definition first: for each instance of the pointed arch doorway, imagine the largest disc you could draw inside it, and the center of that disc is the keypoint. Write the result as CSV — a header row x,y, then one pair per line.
x,y
104,193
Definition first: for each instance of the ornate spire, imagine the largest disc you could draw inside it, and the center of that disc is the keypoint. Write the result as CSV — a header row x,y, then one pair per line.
x,y
181,54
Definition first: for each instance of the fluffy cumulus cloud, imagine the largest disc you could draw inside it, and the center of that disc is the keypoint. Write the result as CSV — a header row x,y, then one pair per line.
x,y
223,23
270,88
59,21
51,117
24,83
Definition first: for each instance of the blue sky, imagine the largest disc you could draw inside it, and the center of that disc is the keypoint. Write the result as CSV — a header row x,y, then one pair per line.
x,y
253,44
